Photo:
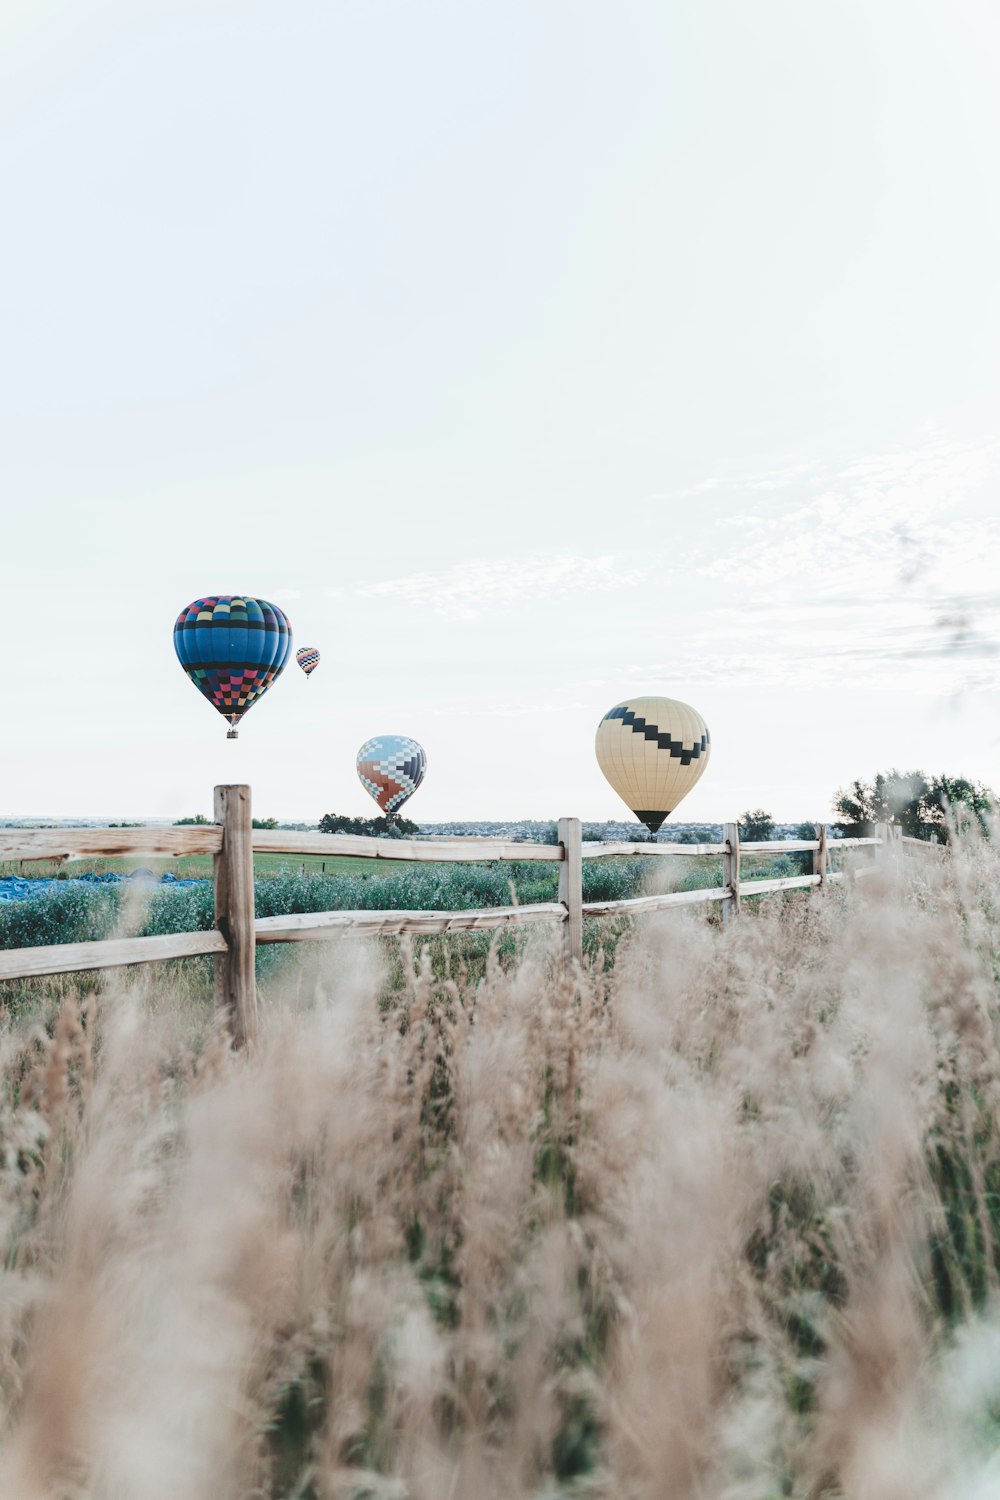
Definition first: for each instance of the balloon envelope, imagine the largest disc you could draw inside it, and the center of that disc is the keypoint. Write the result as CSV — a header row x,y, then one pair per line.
x,y
652,751
307,658
232,647
391,767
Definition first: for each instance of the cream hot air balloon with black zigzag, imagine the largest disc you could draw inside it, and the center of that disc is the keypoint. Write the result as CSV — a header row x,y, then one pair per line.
x,y
653,750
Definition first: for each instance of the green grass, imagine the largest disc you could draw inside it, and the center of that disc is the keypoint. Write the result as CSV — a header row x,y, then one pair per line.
x,y
742,1185
693,873
74,913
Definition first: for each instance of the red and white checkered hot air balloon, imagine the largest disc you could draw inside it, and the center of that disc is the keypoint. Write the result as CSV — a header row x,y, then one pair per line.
x,y
391,767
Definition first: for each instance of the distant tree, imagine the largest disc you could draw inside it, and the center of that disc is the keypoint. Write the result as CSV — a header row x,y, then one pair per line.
x,y
756,826
367,827
336,823
696,834
264,822
892,796
125,825
802,859
921,805
197,821
954,803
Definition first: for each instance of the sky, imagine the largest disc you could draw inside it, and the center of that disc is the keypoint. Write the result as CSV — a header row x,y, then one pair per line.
x,y
531,354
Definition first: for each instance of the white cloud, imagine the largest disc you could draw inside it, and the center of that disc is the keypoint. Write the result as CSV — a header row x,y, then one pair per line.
x,y
779,478
887,641
881,573
469,589
511,710
887,517
282,596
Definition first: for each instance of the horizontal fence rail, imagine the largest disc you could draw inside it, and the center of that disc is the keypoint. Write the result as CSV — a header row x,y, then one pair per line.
x,y
360,846
60,844
233,841
112,953
603,851
639,904
315,926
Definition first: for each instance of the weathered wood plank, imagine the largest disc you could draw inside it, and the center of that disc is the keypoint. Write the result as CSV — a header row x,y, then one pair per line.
x,y
787,883
571,885
235,979
108,843
922,846
636,905
731,871
779,846
355,846
603,851
311,927
476,838
71,958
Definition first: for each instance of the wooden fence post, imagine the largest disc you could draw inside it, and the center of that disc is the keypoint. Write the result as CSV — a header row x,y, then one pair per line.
x,y
897,844
731,870
571,884
820,855
883,834
235,983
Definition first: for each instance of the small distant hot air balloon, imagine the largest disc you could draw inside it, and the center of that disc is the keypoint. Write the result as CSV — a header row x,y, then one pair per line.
x,y
307,658
652,750
391,767
232,647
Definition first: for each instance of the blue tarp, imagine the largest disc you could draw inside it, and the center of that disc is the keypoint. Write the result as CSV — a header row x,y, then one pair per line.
x,y
16,888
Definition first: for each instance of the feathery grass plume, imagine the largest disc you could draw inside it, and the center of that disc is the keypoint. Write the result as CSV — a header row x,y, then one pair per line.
x,y
718,1220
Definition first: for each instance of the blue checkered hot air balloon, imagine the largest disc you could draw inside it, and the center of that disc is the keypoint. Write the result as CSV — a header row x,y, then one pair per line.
x,y
232,647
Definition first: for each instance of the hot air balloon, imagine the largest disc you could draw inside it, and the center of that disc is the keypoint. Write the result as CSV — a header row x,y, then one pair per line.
x,y
652,750
391,767
232,647
307,658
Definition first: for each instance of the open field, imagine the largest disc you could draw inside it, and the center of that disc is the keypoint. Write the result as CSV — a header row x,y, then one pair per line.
x,y
73,911
719,1222
189,867
199,866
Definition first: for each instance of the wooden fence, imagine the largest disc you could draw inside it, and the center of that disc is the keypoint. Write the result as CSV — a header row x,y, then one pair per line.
x,y
233,841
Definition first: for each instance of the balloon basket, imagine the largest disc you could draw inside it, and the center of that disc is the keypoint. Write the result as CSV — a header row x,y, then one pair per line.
x,y
232,734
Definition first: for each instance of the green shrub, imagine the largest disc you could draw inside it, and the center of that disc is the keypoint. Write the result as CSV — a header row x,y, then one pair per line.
x,y
64,914
80,913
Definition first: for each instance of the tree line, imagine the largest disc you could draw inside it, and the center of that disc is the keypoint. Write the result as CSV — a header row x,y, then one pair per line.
x,y
393,828
200,821
922,805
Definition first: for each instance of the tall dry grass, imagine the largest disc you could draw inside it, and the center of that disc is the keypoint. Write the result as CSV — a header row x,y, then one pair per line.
x,y
719,1222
